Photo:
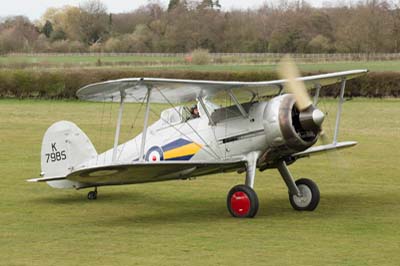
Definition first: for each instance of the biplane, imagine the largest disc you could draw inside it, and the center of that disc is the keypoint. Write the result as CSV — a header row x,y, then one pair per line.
x,y
257,130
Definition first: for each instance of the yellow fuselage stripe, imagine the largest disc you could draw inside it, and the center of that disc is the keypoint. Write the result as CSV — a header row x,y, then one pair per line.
x,y
188,149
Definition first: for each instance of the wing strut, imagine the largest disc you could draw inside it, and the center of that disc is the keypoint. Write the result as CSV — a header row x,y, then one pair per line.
x,y
238,105
201,101
117,131
316,97
339,111
145,126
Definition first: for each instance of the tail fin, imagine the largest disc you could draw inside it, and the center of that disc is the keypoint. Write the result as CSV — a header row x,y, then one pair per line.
x,y
64,147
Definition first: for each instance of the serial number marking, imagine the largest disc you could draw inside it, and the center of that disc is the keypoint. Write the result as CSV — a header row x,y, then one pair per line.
x,y
56,156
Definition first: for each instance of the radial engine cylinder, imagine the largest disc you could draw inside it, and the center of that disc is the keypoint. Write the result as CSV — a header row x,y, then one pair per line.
x,y
287,129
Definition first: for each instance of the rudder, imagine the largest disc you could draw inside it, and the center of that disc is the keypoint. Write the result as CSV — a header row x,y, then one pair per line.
x,y
65,146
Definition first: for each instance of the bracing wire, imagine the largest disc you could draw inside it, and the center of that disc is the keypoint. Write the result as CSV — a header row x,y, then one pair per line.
x,y
195,131
133,125
173,126
212,153
165,121
183,134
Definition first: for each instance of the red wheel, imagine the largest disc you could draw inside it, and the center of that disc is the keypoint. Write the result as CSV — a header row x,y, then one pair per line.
x,y
242,202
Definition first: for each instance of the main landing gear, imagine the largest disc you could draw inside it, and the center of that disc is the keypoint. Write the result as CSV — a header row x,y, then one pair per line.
x,y
92,195
242,200
309,196
303,194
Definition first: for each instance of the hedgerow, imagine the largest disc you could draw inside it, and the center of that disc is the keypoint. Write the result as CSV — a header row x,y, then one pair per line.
x,y
64,83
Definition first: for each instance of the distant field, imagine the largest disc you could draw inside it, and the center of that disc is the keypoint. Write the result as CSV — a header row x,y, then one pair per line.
x,y
77,59
186,222
378,66
159,62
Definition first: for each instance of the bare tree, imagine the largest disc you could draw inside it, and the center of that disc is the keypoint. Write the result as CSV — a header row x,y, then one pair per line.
x,y
93,21
290,26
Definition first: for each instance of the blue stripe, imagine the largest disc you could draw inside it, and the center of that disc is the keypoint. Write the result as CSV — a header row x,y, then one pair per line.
x,y
182,158
175,144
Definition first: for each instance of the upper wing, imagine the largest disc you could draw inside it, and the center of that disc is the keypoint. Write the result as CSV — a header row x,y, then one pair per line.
x,y
146,172
180,90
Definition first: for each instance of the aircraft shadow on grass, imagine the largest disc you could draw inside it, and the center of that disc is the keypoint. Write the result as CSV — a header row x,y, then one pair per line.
x,y
199,210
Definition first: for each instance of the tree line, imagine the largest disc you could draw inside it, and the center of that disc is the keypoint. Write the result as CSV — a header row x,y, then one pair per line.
x,y
370,26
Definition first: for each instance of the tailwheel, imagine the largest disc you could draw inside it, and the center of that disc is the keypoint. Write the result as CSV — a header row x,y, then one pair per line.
x,y
242,202
309,198
92,195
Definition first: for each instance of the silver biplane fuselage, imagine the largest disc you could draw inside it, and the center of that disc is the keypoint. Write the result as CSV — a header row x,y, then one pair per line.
x,y
174,138
242,137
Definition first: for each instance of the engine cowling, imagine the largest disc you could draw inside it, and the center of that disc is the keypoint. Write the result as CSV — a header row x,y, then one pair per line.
x,y
289,130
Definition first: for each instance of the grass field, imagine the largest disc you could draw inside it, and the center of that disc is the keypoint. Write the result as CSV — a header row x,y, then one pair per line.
x,y
186,222
376,66
178,63
77,59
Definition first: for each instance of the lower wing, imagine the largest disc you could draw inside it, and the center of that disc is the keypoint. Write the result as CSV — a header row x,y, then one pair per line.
x,y
325,148
134,173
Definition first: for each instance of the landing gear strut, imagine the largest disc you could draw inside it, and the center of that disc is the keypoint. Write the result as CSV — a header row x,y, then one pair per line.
x,y
92,195
303,194
242,200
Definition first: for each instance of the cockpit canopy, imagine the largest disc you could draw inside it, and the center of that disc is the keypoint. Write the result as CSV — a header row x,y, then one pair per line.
x,y
180,114
174,115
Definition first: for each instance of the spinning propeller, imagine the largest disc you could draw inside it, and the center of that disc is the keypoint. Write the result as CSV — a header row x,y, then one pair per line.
x,y
310,117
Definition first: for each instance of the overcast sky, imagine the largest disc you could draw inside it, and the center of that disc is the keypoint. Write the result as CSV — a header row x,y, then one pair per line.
x,y
34,9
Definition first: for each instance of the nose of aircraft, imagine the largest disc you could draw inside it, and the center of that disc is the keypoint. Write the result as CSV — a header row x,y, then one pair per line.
x,y
312,119
318,117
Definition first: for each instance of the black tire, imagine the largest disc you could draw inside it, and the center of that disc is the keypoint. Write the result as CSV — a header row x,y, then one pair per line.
x,y
242,202
310,189
92,195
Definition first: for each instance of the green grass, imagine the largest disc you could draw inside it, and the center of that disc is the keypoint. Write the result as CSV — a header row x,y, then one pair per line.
x,y
82,59
186,222
177,63
376,66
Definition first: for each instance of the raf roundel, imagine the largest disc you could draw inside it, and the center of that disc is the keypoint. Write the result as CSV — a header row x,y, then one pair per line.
x,y
155,154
